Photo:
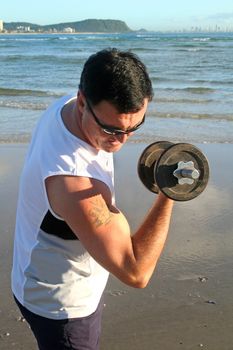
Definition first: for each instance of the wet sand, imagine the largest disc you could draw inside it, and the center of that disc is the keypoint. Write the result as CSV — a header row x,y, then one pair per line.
x,y
189,301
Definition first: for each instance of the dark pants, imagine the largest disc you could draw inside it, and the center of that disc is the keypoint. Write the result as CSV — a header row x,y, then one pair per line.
x,y
69,334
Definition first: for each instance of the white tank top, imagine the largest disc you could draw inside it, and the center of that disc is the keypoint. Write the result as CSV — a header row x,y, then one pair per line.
x,y
53,275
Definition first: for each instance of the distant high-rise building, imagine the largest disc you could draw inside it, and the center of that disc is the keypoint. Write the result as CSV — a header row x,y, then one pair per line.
x,y
1,25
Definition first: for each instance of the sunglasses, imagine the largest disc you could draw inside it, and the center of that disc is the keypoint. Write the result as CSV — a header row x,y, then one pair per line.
x,y
111,130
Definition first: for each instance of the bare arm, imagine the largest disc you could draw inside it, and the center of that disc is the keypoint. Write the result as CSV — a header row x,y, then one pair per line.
x,y
85,204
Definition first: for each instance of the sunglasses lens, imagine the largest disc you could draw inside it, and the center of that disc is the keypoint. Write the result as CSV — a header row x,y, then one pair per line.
x,y
121,132
109,132
113,132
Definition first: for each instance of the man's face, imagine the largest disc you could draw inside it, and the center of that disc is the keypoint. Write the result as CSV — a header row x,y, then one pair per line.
x,y
107,129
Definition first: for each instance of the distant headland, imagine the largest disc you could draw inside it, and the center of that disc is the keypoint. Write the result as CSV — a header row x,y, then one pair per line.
x,y
85,26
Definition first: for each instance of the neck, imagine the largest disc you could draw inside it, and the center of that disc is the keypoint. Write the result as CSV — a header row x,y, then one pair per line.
x,y
71,117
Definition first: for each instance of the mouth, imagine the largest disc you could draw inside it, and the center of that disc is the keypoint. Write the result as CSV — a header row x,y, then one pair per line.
x,y
113,144
114,140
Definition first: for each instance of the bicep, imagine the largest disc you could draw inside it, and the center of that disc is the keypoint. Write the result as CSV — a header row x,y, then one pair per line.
x,y
85,204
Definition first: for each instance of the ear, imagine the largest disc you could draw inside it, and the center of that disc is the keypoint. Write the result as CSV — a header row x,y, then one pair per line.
x,y
80,101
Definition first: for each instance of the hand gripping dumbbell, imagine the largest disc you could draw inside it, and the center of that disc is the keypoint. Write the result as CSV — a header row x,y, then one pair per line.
x,y
180,170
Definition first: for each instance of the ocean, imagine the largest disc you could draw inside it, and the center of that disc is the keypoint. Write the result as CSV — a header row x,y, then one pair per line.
x,y
192,77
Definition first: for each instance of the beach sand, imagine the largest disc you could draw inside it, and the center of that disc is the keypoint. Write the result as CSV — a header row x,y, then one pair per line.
x,y
189,301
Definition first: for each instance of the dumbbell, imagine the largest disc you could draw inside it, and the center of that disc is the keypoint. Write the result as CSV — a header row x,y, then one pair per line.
x,y
179,170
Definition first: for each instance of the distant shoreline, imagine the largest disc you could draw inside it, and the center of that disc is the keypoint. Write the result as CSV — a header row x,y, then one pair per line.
x,y
79,33
114,33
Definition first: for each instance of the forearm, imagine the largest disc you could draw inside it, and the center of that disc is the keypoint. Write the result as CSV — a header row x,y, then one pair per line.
x,y
149,240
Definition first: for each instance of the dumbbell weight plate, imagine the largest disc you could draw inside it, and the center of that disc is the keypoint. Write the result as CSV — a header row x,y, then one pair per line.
x,y
147,161
168,162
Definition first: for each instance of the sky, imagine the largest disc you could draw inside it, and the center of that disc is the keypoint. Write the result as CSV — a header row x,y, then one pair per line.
x,y
148,14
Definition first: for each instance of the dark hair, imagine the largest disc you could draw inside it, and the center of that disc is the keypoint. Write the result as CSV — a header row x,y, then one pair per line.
x,y
118,77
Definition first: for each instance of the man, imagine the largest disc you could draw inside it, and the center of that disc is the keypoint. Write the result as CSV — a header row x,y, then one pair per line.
x,y
69,233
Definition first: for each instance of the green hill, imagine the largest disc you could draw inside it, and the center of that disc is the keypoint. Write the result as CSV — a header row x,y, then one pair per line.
x,y
88,25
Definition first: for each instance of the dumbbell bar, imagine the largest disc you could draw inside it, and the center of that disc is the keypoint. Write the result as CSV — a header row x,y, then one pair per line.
x,y
180,170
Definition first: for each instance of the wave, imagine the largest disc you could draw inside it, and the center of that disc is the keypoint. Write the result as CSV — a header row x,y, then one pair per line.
x,y
194,49
22,39
146,49
199,90
193,89
37,37
184,45
55,59
24,105
63,37
15,138
228,117
182,100
197,45
215,82
201,39
27,92
173,80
